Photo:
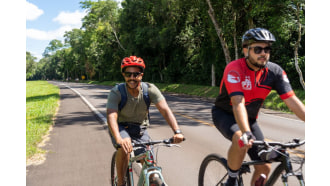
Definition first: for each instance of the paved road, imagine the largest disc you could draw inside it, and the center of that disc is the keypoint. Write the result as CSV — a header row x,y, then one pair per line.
x,y
80,148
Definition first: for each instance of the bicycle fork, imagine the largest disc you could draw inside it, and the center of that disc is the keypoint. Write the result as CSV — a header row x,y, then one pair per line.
x,y
149,173
289,172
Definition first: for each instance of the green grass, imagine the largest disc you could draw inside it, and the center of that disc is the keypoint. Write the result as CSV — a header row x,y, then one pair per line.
x,y
273,101
41,103
197,90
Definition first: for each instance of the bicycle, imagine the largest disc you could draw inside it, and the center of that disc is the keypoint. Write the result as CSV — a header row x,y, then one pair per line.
x,y
150,174
213,170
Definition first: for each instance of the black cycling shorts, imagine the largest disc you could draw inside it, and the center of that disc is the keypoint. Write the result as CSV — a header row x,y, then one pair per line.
x,y
225,122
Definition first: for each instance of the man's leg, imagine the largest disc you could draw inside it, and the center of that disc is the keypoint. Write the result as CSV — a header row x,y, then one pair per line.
x,y
253,153
260,169
235,158
121,165
236,154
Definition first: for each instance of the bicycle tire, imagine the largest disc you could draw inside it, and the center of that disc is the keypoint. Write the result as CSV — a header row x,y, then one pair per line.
x,y
156,181
213,171
113,172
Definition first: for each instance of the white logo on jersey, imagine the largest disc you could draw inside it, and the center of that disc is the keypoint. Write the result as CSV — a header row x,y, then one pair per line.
x,y
246,84
233,77
285,78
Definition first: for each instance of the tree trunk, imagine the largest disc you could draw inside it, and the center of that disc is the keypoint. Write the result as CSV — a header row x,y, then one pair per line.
x,y
219,32
121,46
250,23
234,36
296,46
213,75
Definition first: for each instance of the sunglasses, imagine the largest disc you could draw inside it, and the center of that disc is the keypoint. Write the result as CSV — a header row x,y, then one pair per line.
x,y
258,49
129,74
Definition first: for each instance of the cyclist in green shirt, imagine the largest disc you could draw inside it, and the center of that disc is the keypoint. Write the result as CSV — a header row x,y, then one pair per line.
x,y
128,124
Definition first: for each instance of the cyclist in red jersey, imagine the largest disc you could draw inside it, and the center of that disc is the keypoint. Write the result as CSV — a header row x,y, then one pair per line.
x,y
245,84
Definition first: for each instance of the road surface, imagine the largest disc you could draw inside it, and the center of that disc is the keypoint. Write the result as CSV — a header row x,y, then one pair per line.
x,y
180,165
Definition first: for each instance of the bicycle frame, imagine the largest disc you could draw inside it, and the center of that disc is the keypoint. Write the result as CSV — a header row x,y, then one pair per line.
x,y
284,169
149,167
285,165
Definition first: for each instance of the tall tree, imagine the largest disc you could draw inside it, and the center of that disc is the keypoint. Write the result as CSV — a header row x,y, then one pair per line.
x,y
30,65
53,45
298,8
219,32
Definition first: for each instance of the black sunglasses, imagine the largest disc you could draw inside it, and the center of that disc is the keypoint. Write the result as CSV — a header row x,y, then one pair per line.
x,y
129,74
258,49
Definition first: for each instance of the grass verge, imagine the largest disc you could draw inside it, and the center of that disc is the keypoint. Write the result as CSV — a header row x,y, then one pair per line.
x,y
41,103
273,101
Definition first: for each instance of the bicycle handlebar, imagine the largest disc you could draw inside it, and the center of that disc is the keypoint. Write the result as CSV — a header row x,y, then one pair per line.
x,y
293,144
165,141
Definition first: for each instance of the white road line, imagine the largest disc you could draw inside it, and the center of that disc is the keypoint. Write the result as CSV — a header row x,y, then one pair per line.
x,y
98,113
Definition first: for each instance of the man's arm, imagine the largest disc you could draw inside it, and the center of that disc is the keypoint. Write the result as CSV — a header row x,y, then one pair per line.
x,y
240,113
296,106
166,112
112,116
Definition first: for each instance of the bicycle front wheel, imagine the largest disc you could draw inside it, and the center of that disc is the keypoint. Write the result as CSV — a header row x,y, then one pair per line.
x,y
213,171
156,181
113,172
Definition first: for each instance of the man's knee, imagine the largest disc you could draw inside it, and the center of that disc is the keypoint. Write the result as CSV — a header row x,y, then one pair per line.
x,y
235,144
263,169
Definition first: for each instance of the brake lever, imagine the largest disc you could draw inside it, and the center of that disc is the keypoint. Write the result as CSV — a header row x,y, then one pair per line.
x,y
173,145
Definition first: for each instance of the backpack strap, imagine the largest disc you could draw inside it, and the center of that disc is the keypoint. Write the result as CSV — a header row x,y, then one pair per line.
x,y
122,90
146,94
123,93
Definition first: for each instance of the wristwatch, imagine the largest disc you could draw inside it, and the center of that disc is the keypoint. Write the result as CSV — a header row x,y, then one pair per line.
x,y
177,131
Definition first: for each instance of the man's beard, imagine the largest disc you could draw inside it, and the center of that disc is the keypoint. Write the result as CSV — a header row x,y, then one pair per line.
x,y
133,81
256,64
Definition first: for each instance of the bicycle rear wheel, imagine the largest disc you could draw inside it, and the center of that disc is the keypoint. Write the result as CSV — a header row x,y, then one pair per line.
x,y
213,171
113,172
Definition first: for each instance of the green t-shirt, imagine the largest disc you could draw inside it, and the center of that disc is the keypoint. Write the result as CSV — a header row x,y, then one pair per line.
x,y
135,109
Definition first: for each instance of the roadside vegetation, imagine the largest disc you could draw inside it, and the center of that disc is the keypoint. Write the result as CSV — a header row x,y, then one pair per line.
x,y
273,101
41,104
181,42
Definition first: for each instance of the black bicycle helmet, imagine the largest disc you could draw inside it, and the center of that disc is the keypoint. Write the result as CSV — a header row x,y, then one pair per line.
x,y
257,34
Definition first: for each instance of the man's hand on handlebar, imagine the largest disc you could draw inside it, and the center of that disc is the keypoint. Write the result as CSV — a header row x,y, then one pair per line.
x,y
178,138
126,144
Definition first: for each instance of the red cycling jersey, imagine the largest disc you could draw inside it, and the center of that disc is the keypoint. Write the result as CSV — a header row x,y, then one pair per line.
x,y
239,79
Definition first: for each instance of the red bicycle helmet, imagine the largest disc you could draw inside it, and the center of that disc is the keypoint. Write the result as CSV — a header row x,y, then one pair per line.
x,y
132,61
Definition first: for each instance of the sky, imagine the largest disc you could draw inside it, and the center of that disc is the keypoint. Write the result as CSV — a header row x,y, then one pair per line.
x,y
49,19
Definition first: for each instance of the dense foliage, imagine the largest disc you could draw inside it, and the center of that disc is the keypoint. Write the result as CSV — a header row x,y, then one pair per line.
x,y
176,39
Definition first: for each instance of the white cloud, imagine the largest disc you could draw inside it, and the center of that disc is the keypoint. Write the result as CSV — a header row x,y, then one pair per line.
x,y
37,55
70,18
32,11
48,35
67,20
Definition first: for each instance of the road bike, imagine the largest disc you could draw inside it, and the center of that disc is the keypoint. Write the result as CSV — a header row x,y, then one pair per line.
x,y
213,170
150,174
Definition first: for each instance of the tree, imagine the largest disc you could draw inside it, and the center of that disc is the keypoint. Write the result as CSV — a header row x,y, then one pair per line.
x,y
219,32
30,65
298,9
186,41
53,45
